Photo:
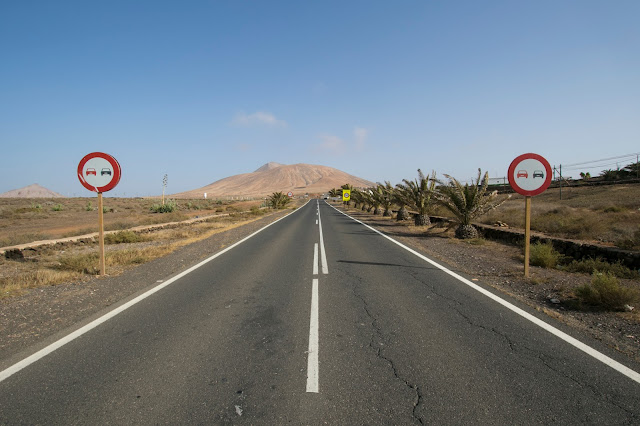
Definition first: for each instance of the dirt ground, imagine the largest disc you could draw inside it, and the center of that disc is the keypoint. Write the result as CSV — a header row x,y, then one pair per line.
x,y
26,220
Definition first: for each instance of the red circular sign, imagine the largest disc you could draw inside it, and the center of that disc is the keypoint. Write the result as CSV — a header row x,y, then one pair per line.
x,y
99,172
529,174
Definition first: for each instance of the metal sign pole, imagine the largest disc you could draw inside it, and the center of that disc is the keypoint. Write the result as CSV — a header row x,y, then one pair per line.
x,y
527,234
101,233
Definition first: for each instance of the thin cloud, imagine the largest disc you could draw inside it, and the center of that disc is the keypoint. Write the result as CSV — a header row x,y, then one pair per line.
x,y
257,118
331,144
243,147
360,134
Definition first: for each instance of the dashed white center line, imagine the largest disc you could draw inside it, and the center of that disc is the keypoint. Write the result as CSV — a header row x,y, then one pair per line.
x,y
315,259
312,361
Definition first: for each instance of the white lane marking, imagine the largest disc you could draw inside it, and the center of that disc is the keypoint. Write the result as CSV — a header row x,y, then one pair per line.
x,y
633,375
323,255
314,345
315,259
79,332
316,221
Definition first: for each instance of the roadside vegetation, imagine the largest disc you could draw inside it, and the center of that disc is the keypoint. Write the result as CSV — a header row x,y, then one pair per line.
x,y
278,200
53,265
605,215
27,220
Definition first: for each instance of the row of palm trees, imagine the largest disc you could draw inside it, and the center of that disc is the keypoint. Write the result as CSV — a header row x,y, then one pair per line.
x,y
421,195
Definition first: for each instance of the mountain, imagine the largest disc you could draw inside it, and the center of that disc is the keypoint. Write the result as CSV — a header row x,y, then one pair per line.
x,y
31,191
274,177
269,166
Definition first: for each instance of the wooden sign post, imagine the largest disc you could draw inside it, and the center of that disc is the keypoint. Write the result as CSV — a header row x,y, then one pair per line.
x,y
529,175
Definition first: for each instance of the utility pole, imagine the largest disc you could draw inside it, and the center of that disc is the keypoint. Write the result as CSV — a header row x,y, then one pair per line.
x,y
561,181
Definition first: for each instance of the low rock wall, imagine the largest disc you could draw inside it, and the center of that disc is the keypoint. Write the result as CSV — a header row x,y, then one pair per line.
x,y
575,249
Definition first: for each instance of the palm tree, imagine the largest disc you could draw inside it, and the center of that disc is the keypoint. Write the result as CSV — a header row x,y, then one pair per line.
x,y
333,192
418,195
396,196
468,202
356,197
377,198
278,200
386,192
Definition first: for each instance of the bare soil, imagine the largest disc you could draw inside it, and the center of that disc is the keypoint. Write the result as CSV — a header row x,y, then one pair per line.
x,y
25,220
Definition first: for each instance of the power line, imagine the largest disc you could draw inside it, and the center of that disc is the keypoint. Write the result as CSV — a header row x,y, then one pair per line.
x,y
591,167
605,159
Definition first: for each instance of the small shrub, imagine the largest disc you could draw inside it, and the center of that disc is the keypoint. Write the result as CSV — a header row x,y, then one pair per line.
x,y
544,255
589,266
123,237
89,207
167,207
605,292
255,210
57,208
88,263
614,209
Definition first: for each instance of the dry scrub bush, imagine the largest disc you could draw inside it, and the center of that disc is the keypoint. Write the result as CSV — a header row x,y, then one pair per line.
x,y
606,293
544,255
124,237
590,266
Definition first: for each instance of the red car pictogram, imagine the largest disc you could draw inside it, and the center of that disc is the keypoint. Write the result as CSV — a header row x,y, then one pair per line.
x,y
91,172
522,173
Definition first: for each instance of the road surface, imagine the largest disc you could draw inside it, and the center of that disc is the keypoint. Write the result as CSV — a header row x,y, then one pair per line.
x,y
317,319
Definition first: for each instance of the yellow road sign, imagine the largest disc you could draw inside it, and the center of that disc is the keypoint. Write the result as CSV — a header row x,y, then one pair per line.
x,y
346,195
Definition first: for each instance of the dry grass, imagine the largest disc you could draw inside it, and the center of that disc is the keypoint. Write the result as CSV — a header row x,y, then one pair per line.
x,y
125,249
17,284
26,220
608,215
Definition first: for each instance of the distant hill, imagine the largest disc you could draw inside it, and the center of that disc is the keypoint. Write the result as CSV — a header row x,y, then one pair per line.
x,y
274,177
31,191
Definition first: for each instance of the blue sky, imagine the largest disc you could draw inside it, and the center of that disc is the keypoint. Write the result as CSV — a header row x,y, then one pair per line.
x,y
201,90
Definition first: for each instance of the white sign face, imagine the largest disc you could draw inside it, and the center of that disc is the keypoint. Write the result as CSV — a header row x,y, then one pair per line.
x,y
530,174
98,172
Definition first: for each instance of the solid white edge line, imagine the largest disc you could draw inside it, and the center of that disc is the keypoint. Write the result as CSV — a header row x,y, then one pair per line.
x,y
312,361
633,375
323,255
79,332
315,259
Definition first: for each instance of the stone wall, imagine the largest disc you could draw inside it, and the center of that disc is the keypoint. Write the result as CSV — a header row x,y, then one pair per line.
x,y
576,249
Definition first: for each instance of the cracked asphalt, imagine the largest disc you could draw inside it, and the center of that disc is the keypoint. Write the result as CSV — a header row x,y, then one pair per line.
x,y
400,342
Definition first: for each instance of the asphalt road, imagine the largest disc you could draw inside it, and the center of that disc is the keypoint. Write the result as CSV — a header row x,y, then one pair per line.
x,y
399,341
